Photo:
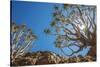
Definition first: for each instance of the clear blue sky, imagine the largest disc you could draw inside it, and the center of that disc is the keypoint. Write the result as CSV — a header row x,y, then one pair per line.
x,y
37,16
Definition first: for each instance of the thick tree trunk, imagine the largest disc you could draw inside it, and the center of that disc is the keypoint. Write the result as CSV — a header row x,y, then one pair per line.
x,y
92,52
93,45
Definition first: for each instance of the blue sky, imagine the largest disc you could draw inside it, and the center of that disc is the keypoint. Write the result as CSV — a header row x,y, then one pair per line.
x,y
37,16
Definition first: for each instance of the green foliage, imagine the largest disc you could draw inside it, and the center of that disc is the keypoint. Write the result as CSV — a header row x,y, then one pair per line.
x,y
47,31
53,24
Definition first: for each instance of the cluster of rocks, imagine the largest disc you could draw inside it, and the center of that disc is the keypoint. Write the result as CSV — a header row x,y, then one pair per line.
x,y
45,57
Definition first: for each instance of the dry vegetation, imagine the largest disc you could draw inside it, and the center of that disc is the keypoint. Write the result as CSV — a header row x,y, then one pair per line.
x,y
46,57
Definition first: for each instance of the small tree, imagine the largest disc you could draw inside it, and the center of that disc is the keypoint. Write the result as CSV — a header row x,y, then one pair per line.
x,y
74,25
21,40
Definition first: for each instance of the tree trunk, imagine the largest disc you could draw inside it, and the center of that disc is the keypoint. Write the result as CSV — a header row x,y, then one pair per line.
x,y
92,52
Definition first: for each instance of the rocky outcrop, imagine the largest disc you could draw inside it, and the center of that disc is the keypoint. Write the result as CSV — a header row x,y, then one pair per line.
x,y
46,57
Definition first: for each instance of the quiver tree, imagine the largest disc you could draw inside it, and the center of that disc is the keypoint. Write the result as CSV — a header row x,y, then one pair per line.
x,y
74,25
22,40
